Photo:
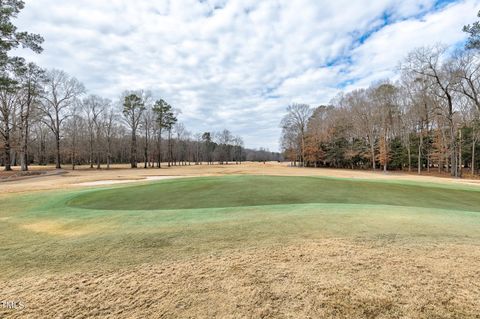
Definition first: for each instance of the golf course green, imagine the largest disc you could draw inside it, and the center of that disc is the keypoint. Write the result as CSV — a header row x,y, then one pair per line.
x,y
238,191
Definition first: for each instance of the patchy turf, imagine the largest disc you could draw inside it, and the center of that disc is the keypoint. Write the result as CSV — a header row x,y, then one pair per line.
x,y
385,250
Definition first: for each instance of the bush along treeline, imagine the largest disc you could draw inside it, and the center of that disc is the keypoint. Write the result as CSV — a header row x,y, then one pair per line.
x,y
46,117
426,120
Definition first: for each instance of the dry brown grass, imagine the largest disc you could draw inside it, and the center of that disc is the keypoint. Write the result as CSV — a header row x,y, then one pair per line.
x,y
329,278
55,228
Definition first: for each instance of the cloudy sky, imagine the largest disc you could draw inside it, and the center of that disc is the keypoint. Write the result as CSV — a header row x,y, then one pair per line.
x,y
237,64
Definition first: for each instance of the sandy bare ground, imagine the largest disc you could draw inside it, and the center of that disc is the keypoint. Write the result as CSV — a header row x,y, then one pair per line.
x,y
84,176
122,181
331,278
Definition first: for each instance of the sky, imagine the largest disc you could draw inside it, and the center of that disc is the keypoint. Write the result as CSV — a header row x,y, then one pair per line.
x,y
237,64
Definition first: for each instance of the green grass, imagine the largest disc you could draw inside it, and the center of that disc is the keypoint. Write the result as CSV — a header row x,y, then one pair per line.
x,y
173,219
237,191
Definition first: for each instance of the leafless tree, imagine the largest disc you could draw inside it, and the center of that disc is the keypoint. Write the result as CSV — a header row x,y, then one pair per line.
x,y
109,121
466,71
295,123
93,106
430,62
365,118
147,124
31,89
60,93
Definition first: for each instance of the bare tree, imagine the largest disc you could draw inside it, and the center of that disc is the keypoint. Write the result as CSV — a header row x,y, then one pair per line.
x,y
198,148
181,147
223,150
466,70
385,96
73,127
317,128
427,62
60,92
147,124
109,122
365,119
238,147
296,121
93,106
31,80
290,145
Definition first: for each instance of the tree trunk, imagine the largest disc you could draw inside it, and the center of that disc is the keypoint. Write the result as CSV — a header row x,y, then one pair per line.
x,y
145,150
73,159
420,146
459,153
23,159
145,155
41,160
57,144
159,148
453,155
447,163
24,147
303,150
169,151
7,150
97,148
108,153
133,150
473,155
372,151
91,151
409,152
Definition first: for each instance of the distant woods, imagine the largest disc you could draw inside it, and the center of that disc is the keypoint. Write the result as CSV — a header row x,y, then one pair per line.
x,y
65,126
47,117
428,119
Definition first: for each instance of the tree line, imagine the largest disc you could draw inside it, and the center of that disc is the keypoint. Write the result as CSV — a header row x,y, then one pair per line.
x,y
47,117
428,119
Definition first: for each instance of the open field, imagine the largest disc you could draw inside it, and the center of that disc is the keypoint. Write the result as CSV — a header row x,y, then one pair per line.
x,y
236,241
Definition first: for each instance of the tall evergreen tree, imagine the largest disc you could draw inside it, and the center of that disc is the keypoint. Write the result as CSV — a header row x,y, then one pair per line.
x,y
163,111
133,108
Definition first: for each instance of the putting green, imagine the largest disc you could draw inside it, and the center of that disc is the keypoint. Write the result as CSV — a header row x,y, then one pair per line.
x,y
237,191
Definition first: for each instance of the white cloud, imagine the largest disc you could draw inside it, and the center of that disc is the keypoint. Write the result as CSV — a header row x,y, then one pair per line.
x,y
234,63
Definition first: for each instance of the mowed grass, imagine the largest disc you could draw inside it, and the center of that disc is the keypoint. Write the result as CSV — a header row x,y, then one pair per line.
x,y
77,230
237,191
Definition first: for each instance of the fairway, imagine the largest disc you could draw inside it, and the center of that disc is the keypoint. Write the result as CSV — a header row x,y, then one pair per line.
x,y
268,239
238,191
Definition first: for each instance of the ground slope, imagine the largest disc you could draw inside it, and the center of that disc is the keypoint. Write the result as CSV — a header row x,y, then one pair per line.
x,y
254,246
